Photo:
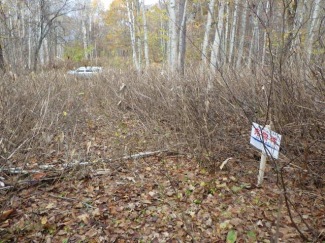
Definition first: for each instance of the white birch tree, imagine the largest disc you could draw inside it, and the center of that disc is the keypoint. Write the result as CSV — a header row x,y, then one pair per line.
x,y
217,39
265,40
204,56
145,30
182,37
255,41
242,37
132,34
311,33
233,33
173,37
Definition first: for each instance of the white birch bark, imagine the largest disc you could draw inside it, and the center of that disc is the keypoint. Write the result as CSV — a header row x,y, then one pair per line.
x,y
310,39
29,43
138,37
182,40
233,32
217,39
145,30
173,40
242,37
132,34
204,56
225,42
90,30
254,47
265,40
298,22
84,37
46,52
169,38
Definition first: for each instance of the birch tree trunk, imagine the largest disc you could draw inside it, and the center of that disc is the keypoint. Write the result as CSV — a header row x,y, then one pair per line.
x,y
182,38
2,61
265,40
29,43
204,56
145,30
90,35
132,34
233,32
242,37
84,37
173,37
310,39
217,39
225,42
254,47
138,37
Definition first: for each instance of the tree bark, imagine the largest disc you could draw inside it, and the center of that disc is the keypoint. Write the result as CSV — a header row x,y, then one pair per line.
x,y
204,56
242,37
182,38
225,42
132,34
173,37
233,32
254,47
217,39
2,61
265,40
145,30
310,39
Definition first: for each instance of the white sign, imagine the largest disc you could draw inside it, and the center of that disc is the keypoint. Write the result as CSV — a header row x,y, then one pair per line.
x,y
265,140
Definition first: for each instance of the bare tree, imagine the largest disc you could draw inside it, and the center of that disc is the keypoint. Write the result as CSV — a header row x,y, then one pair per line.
x,y
49,12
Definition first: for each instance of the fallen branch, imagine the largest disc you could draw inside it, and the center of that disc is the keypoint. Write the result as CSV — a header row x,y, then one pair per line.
x,y
71,200
52,168
42,168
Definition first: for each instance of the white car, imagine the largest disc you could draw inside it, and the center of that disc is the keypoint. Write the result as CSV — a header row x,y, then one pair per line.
x,y
86,71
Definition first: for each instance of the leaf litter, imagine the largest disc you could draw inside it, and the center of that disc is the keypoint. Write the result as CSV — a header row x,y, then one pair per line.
x,y
160,198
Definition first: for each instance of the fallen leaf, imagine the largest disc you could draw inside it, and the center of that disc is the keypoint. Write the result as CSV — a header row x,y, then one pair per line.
x,y
5,214
232,236
235,188
44,220
84,218
50,206
39,176
146,201
96,212
251,236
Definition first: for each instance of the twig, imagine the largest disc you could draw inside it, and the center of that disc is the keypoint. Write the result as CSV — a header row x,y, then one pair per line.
x,y
71,200
278,219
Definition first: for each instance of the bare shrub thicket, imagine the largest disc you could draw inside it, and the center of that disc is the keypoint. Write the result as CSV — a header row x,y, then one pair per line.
x,y
179,112
44,114
35,111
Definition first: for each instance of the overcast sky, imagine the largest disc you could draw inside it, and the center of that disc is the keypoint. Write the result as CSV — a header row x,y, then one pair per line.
x,y
108,2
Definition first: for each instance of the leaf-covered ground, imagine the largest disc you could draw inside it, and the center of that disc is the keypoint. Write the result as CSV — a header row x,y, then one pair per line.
x,y
163,198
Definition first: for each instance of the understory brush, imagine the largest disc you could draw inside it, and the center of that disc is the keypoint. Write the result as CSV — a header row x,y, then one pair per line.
x,y
45,115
